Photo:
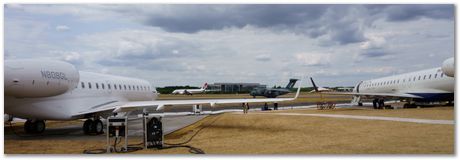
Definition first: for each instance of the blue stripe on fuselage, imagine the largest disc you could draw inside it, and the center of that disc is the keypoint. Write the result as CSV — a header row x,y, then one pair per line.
x,y
431,97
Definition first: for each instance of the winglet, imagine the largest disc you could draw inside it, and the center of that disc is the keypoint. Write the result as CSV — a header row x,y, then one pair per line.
x,y
314,85
160,107
298,89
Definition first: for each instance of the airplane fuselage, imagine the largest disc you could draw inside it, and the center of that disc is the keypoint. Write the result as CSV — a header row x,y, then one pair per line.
x,y
431,84
92,90
188,91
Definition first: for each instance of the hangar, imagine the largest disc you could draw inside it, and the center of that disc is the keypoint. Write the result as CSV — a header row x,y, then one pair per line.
x,y
227,87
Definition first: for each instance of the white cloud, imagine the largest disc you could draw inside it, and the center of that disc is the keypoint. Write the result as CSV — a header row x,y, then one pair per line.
x,y
263,57
62,28
68,56
314,59
373,42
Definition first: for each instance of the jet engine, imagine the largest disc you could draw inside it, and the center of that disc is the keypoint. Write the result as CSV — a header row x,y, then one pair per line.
x,y
448,67
39,78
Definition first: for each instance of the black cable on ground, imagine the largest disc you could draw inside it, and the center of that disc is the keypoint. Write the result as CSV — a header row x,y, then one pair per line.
x,y
95,151
192,149
133,147
196,133
130,148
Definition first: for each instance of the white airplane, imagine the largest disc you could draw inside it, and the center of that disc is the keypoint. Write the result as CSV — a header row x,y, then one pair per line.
x,y
318,89
191,91
39,90
430,85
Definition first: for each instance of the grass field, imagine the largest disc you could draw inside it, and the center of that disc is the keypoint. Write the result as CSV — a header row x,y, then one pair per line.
x,y
231,133
438,113
270,134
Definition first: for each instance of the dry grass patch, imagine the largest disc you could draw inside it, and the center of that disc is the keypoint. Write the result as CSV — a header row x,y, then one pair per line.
x,y
437,113
271,134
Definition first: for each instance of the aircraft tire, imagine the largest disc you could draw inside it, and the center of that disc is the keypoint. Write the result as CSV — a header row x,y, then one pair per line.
x,y
87,126
39,126
28,127
375,103
34,127
98,126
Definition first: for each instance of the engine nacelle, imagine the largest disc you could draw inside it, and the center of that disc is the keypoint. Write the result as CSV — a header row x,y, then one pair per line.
x,y
448,67
39,78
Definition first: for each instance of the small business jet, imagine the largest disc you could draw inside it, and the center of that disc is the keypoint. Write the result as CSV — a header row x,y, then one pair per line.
x,y
39,90
430,85
191,91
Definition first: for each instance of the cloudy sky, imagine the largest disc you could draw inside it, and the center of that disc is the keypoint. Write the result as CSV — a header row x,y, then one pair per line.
x,y
192,44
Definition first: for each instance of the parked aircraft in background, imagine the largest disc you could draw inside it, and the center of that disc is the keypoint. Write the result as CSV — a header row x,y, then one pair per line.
x,y
318,89
430,85
191,91
39,90
273,92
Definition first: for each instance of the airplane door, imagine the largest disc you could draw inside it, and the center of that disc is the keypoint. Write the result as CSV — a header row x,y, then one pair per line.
x,y
357,87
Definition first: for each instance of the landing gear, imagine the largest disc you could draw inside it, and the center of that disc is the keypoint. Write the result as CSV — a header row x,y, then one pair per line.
x,y
374,103
378,103
34,126
381,103
360,104
93,127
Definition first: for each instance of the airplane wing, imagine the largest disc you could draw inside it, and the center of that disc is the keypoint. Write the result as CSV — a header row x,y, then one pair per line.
x,y
117,107
402,95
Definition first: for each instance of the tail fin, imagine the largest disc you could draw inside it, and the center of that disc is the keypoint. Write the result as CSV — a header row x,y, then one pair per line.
x,y
291,83
205,86
314,85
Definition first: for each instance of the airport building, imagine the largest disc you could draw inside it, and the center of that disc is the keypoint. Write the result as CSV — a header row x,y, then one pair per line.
x,y
234,87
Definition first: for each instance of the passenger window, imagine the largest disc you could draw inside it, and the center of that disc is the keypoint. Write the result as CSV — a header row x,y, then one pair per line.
x,y
89,85
419,77
97,86
125,87
115,86
82,84
442,75
129,87
429,77
424,76
102,84
435,75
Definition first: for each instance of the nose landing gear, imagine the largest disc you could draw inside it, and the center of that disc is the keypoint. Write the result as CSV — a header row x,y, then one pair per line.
x,y
34,126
